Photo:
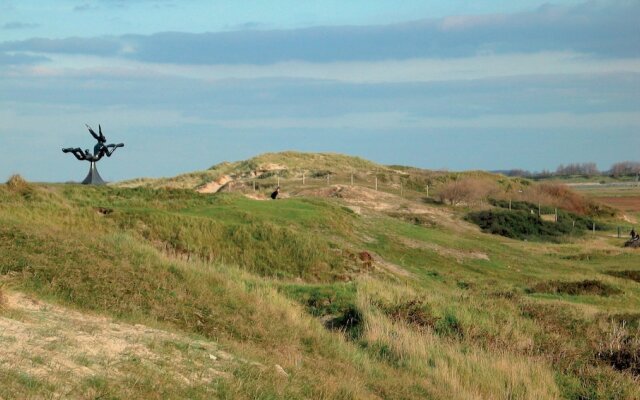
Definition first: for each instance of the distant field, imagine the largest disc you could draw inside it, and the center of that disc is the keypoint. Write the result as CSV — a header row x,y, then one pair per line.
x,y
627,203
608,191
624,198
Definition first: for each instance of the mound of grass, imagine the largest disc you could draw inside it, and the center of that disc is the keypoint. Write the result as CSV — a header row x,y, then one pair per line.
x,y
17,184
586,287
628,274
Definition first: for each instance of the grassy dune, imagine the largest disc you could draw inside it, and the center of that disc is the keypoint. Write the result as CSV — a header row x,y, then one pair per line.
x,y
441,311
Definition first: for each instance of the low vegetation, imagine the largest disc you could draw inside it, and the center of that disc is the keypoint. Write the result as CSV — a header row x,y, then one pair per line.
x,y
586,287
628,274
276,299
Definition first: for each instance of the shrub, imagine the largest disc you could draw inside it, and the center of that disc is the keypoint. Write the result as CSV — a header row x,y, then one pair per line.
x,y
564,217
521,225
467,190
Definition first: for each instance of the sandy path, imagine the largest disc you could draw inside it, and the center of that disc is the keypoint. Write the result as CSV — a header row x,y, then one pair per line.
x,y
63,347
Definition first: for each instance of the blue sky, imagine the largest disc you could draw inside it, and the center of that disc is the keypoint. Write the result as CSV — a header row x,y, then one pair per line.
x,y
436,84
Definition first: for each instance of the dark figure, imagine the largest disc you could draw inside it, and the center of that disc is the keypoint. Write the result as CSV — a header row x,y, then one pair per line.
x,y
99,150
275,194
633,234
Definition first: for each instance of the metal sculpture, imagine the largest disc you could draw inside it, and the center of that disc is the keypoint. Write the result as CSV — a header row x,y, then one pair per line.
x,y
99,150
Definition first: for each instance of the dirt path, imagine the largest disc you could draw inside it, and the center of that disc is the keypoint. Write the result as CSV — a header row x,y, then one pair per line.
x,y
65,349
214,186
366,198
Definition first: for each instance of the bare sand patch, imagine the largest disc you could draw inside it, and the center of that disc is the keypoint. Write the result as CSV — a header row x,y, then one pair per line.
x,y
59,345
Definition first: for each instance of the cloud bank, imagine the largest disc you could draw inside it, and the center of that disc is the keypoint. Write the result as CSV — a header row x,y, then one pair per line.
x,y
608,30
528,90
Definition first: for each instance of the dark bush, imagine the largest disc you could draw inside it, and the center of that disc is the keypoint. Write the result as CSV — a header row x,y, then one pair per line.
x,y
350,322
520,223
565,217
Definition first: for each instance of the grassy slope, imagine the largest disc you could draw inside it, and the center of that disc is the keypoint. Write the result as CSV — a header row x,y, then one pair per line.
x,y
258,278
296,162
290,167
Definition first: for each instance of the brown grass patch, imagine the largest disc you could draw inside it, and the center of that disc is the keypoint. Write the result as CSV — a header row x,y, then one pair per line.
x,y
586,287
628,274
562,196
18,184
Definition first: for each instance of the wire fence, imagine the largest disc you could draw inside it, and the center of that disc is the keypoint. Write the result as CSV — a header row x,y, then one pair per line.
x,y
395,185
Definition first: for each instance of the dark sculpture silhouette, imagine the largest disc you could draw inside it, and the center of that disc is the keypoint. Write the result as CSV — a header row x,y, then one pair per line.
x,y
99,150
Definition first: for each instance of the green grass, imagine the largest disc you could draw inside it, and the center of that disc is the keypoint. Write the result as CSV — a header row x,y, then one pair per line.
x,y
278,282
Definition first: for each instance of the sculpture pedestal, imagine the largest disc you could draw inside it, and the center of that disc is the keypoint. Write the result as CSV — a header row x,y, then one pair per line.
x,y
93,177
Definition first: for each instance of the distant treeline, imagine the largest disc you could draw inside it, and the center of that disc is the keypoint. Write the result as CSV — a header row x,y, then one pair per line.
x,y
588,169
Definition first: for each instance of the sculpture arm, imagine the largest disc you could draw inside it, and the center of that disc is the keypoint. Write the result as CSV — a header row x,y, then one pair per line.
x,y
77,152
111,148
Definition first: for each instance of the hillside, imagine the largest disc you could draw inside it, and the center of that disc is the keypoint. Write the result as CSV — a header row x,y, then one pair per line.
x,y
337,291
292,167
287,164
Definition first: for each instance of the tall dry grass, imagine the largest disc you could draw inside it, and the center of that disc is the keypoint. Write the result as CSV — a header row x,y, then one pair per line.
x,y
457,370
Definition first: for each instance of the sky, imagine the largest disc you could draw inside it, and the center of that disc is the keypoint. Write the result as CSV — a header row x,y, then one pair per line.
x,y
185,85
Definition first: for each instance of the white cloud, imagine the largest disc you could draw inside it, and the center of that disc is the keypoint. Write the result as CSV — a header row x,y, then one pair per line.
x,y
386,121
392,71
